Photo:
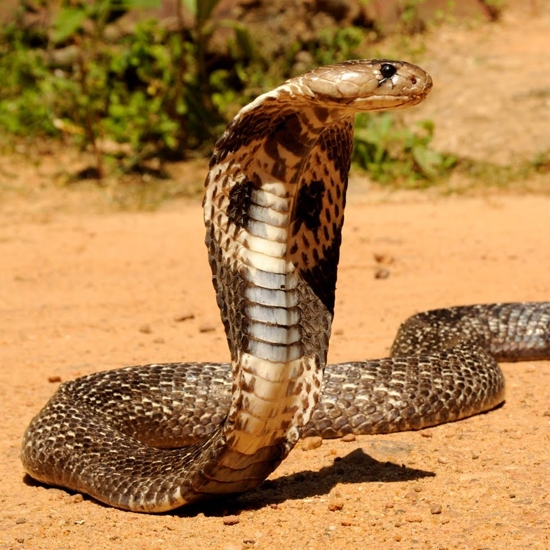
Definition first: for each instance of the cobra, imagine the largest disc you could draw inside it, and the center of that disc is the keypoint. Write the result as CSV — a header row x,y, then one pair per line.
x,y
156,437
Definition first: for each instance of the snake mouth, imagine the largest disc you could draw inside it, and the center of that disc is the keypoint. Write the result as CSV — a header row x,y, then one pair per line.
x,y
385,102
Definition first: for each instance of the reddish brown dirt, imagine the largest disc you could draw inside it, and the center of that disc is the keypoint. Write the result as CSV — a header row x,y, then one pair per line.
x,y
82,291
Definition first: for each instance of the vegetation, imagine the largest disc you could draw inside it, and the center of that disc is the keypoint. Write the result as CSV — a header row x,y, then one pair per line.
x,y
153,92
392,152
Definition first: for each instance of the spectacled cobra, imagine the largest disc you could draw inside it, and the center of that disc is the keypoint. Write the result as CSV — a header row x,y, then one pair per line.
x,y
153,438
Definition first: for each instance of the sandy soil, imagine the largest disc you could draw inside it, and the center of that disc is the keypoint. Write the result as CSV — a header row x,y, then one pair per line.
x,y
82,291
81,294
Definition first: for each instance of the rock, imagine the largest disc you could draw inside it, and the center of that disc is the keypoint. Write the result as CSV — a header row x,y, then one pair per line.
x,y
184,316
383,259
335,504
231,520
310,443
381,273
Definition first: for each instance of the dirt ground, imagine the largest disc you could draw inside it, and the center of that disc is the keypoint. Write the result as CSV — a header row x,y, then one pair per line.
x,y
84,288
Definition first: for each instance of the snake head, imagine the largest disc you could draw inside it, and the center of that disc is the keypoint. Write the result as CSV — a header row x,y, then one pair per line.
x,y
368,85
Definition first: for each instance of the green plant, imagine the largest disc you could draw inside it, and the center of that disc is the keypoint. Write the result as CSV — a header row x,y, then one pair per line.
x,y
336,45
26,89
121,91
141,94
394,153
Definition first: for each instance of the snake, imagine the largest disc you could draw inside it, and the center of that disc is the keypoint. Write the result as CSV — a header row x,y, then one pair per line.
x,y
156,437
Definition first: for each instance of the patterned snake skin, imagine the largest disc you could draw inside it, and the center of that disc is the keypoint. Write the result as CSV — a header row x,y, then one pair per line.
x,y
156,437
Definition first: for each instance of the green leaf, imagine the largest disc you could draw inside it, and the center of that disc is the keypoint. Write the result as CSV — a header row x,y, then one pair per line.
x,y
427,160
68,21
201,9
191,6
245,41
136,4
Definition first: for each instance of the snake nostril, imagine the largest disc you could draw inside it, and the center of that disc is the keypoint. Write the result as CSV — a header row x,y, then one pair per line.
x,y
387,70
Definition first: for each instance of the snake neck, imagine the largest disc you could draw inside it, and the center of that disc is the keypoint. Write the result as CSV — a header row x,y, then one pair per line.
x,y
274,214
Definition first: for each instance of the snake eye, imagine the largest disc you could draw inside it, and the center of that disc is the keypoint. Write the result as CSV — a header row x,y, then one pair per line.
x,y
387,70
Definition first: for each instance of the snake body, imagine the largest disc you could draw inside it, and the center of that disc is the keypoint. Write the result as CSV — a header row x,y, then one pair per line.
x,y
156,437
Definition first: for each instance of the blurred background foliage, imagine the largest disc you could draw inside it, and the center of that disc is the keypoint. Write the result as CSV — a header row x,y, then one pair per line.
x,y
139,83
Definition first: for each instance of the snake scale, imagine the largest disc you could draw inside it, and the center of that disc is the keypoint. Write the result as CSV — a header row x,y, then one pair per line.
x,y
156,437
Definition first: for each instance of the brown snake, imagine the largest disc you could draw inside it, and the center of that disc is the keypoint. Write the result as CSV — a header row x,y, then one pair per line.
x,y
156,437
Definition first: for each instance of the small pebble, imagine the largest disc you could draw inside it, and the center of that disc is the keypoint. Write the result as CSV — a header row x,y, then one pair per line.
x,y
435,509
442,460
77,498
310,443
207,327
184,317
145,329
413,518
346,522
54,378
231,520
20,521
349,438
159,340
385,259
381,273
426,433
335,504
